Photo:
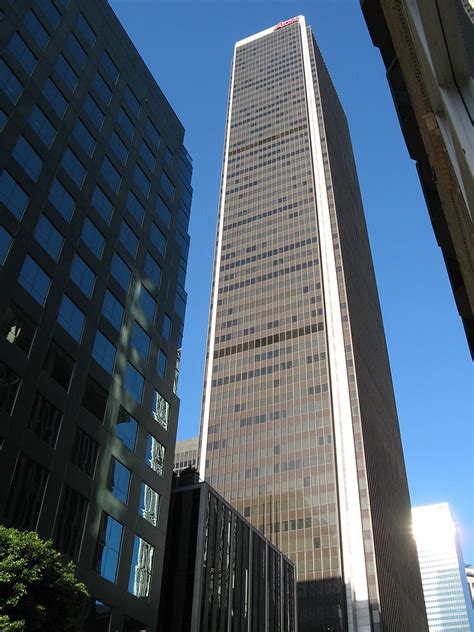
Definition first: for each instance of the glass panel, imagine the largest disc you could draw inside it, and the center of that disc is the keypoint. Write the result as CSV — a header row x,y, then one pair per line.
x,y
74,167
149,507
119,480
12,195
135,208
142,181
133,383
167,186
93,238
50,238
147,155
109,66
27,158
126,429
155,455
82,275
113,310
71,318
166,331
26,493
160,410
125,122
141,568
84,451
45,420
161,365
9,82
5,243
152,269
104,352
140,341
102,204
152,133
34,280
42,126
69,524
95,398
76,50
87,31
102,88
162,211
93,111
61,200
9,383
34,26
131,100
128,238
108,547
158,239
55,98
121,272
22,53
147,303
111,175
50,12
66,72
84,137
118,147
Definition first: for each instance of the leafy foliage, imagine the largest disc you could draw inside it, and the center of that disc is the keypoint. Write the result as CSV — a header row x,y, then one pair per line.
x,y
38,589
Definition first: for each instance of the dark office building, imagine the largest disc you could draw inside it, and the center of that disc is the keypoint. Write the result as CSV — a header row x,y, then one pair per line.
x,y
95,196
220,574
299,427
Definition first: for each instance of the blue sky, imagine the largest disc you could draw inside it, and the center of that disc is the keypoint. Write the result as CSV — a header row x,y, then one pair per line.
x,y
188,45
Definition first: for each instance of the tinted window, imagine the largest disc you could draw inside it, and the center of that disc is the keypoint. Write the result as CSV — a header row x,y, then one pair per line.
x,y
74,167
5,243
9,82
121,272
140,341
109,66
35,280
61,200
84,451
134,382
93,238
84,137
126,429
155,455
22,53
135,208
102,204
34,26
42,126
158,239
82,275
128,238
45,420
152,269
27,157
94,112
55,98
111,175
71,318
104,352
162,211
66,72
108,547
12,195
86,30
26,493
118,480
76,50
69,524
113,310
147,303
50,238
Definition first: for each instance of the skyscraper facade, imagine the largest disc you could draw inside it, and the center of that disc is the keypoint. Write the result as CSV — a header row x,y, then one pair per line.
x,y
299,428
94,207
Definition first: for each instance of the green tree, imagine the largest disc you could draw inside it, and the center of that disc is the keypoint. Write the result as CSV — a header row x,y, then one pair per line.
x,y
38,589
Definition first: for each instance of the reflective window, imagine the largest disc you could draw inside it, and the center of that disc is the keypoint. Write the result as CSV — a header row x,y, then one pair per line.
x,y
69,524
93,111
86,30
12,195
93,238
5,243
121,272
44,420
109,66
113,310
135,208
9,82
50,12
152,269
153,134
61,200
147,155
158,239
34,26
26,493
42,126
161,364
162,211
142,181
140,341
128,238
147,303
125,122
141,568
66,72
35,280
27,158
126,429
55,98
167,186
102,88
166,331
108,547
95,398
118,147
76,50
168,157
73,166
71,318
16,328
82,275
84,137
98,619
134,382
155,455
22,53
50,238
149,507
160,410
131,100
3,119
102,204
118,480
59,366
104,352
111,174
84,451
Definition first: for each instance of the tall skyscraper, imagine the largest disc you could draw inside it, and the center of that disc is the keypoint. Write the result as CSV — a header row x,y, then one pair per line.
x,y
95,196
447,595
299,427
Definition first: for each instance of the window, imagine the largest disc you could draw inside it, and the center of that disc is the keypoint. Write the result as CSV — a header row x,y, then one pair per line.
x,y
119,148
82,275
76,50
126,429
71,318
160,410
93,111
152,133
162,211
108,547
147,155
102,88
45,420
50,238
140,341
26,493
9,383
12,195
35,280
102,204
86,30
149,507
55,98
111,174
158,239
27,158
141,568
135,208
66,72
84,451
84,137
167,186
16,328
131,100
113,310
3,119
104,352
50,12
34,26
166,331
69,524
42,126
161,365
155,455
125,123
61,200
59,366
109,66
5,243
168,157
74,167
93,238
152,269
128,238
147,303
121,272
23,54
134,382
11,85
118,480
142,181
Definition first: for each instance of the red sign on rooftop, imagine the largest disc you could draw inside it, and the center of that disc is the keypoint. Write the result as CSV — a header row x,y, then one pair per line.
x,y
280,25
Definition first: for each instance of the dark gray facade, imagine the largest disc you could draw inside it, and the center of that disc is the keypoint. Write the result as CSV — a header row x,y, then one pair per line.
x,y
220,573
95,197
299,427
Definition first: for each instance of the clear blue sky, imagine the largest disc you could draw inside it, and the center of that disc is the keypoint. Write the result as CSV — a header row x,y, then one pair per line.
x,y
188,45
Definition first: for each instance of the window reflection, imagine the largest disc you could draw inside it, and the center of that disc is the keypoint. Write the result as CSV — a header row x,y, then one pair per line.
x,y
141,568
